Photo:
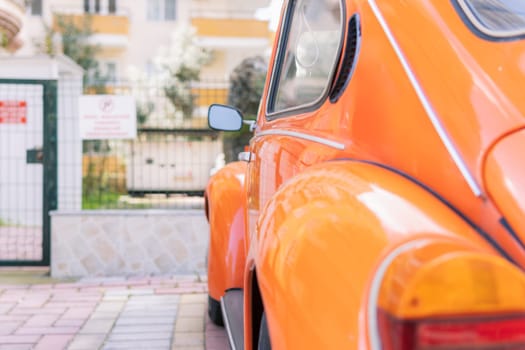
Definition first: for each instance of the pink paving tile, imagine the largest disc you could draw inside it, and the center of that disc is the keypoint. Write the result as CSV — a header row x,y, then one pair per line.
x,y
48,330
70,323
13,286
65,286
76,297
8,328
215,337
16,347
77,313
72,304
53,342
41,321
35,310
19,339
14,318
32,302
189,284
11,298
166,291
5,307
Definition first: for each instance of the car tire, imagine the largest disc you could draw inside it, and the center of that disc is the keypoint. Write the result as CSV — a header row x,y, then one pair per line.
x,y
264,335
215,312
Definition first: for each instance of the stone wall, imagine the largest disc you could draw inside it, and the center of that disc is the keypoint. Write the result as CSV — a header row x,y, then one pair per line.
x,y
128,243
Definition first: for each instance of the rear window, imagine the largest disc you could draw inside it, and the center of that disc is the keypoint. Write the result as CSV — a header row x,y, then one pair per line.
x,y
496,18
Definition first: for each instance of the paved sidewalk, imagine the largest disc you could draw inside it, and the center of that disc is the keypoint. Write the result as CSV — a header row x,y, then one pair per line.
x,y
108,313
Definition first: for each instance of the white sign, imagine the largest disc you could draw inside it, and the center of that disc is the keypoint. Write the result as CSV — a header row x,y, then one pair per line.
x,y
106,117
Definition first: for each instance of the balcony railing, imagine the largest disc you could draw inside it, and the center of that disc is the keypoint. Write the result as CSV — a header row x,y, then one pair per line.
x,y
79,10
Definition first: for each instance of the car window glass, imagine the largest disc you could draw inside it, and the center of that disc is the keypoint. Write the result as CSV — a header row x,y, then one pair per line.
x,y
312,46
496,17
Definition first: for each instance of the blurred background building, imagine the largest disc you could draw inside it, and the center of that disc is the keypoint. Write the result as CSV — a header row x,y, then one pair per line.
x,y
130,32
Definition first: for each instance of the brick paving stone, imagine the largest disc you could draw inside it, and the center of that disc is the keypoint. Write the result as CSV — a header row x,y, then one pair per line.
x,y
14,286
14,318
73,304
115,298
19,339
109,306
142,328
87,342
132,345
32,302
194,298
77,313
53,342
16,347
145,321
70,323
187,324
47,330
140,336
6,307
94,326
192,310
101,315
216,337
188,339
162,291
148,313
41,320
35,310
8,328
140,290
116,313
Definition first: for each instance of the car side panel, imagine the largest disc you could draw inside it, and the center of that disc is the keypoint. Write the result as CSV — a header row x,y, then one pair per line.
x,y
226,199
321,237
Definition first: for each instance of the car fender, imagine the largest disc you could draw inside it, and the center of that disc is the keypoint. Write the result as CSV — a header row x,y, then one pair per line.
x,y
225,209
320,238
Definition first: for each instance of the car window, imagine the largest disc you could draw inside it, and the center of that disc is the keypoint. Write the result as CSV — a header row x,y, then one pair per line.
x,y
312,43
498,18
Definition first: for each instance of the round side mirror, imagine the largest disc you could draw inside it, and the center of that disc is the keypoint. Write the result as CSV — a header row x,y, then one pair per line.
x,y
224,118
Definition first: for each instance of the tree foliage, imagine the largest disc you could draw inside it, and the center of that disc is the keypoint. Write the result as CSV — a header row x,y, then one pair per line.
x,y
247,84
71,37
246,88
180,64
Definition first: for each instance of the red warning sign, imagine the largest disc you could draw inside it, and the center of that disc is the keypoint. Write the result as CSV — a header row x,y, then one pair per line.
x,y
13,112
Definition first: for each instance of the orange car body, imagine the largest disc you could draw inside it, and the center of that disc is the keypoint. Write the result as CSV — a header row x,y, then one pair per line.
x,y
388,210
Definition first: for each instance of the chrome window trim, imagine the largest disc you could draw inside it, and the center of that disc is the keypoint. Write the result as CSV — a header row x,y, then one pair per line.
x,y
300,135
500,34
427,105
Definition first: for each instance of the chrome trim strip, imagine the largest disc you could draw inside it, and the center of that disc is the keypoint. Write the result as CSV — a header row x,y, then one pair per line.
x,y
300,135
373,324
429,109
227,325
482,28
244,156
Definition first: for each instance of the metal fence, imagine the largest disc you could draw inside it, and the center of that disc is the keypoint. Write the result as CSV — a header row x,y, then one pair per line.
x,y
170,161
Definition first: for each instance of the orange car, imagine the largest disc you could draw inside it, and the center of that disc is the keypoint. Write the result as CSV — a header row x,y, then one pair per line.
x,y
382,201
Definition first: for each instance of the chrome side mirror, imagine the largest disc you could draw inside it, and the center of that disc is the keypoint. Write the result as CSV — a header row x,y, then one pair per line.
x,y
224,118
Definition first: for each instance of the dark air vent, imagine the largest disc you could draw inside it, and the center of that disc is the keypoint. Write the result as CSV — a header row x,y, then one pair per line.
x,y
353,42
